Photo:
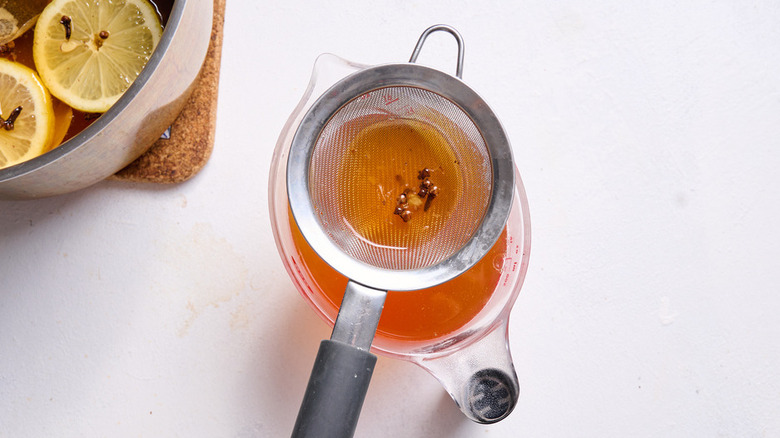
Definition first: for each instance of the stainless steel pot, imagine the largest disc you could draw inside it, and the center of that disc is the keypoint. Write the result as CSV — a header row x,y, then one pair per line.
x,y
132,125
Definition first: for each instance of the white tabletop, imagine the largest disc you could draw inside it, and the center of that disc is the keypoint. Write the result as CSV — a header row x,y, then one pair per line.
x,y
648,138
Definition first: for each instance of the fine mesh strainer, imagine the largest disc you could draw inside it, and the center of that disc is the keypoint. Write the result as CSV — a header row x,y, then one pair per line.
x,y
401,178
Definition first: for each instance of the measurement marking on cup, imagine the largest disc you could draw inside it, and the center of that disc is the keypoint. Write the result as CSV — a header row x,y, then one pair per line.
x,y
389,99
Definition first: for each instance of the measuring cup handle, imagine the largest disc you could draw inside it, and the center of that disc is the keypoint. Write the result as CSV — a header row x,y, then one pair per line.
x,y
445,28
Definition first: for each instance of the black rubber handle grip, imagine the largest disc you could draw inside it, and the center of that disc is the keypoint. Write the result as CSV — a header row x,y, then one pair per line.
x,y
336,390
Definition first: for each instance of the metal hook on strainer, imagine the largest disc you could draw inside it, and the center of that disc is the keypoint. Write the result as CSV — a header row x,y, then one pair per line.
x,y
402,118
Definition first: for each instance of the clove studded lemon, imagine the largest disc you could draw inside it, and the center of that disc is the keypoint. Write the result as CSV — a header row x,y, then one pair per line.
x,y
27,117
89,52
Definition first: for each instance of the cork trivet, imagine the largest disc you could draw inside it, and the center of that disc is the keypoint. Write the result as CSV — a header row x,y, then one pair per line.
x,y
191,141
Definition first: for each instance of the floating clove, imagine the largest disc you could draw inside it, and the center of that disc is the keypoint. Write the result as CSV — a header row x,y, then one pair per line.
x,y
67,22
427,191
8,124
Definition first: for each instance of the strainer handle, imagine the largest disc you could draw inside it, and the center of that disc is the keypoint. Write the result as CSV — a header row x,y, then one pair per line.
x,y
335,393
445,28
343,368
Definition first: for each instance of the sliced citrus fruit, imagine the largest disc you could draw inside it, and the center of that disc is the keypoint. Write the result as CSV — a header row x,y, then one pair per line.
x,y
88,52
63,116
16,16
27,123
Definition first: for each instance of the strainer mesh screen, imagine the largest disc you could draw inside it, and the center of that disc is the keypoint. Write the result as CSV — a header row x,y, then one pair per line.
x,y
383,144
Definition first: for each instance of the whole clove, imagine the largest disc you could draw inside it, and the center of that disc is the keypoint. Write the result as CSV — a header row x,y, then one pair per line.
x,y
427,191
8,124
67,22
432,193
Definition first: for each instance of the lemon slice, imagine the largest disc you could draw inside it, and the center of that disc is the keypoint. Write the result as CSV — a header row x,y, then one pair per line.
x,y
88,52
17,16
30,132
63,116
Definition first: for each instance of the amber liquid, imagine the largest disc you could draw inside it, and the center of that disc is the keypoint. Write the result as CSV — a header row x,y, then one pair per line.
x,y
383,161
68,121
415,315
384,158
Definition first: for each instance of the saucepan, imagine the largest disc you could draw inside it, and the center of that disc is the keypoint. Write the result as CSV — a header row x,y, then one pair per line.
x,y
133,123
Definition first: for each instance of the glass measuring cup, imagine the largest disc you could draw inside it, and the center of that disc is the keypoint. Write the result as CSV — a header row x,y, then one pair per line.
x,y
465,349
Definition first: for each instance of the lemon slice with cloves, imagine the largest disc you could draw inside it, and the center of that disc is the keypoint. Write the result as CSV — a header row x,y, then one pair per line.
x,y
88,52
26,114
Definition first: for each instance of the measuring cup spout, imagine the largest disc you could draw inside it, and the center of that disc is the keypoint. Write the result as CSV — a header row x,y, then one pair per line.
x,y
480,378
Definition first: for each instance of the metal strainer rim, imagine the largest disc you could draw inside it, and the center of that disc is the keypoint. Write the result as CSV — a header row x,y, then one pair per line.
x,y
400,75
